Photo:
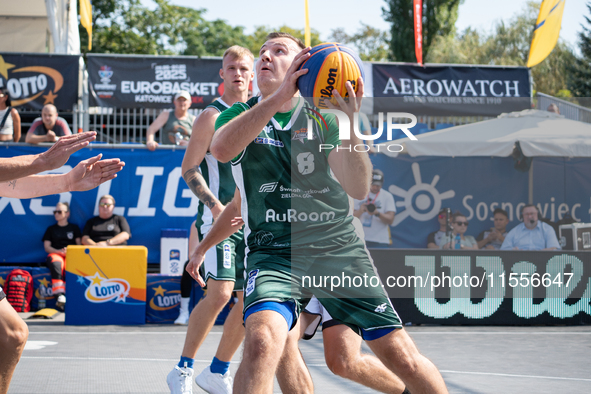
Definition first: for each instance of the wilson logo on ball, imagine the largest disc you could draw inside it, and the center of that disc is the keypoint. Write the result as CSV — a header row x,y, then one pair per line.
x,y
330,66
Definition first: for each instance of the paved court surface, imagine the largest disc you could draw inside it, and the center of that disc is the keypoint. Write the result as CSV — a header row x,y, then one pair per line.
x,y
136,359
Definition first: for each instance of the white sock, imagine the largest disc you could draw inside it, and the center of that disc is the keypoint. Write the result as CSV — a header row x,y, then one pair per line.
x,y
185,304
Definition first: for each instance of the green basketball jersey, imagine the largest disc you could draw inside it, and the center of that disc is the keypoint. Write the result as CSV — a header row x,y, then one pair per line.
x,y
218,177
289,197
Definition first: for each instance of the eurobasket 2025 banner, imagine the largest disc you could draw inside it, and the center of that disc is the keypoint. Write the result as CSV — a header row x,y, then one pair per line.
x,y
450,90
34,80
152,81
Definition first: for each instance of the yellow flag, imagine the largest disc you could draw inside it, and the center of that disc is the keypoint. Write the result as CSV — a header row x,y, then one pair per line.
x,y
307,28
86,19
546,31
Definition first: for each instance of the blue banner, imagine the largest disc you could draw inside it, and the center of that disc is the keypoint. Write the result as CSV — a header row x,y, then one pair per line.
x,y
152,195
149,192
476,186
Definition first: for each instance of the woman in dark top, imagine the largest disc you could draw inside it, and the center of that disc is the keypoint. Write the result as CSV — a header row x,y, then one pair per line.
x,y
106,229
55,241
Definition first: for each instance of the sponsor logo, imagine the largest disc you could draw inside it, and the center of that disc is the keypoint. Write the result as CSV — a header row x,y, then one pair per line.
x,y
268,141
422,201
252,275
268,187
174,254
103,290
165,299
263,238
381,308
227,256
45,290
292,216
302,135
105,89
70,235
111,227
30,82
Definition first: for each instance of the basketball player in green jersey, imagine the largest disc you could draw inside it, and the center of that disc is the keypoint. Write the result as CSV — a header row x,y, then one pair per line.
x,y
297,220
213,184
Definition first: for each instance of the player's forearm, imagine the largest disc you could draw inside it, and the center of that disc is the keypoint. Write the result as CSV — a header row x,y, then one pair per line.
x,y
222,228
198,186
34,186
231,139
20,167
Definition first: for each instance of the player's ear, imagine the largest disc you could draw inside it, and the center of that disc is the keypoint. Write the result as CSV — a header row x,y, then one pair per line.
x,y
221,73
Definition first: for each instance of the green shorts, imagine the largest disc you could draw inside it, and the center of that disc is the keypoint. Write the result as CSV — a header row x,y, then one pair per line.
x,y
225,261
340,273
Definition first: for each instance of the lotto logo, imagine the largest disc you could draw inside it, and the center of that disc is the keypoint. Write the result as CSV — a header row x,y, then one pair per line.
x,y
227,256
381,308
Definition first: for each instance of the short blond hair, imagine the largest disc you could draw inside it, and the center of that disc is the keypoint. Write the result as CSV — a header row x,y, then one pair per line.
x,y
238,52
107,196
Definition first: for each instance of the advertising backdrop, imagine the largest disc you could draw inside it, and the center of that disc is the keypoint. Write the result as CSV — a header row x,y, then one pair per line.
x,y
152,81
34,80
450,90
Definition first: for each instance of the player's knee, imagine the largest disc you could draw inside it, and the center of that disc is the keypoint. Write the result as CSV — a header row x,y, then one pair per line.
x,y
340,366
16,336
407,364
261,343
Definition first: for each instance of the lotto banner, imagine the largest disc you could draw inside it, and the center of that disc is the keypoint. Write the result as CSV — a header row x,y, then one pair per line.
x,y
34,80
106,285
163,298
126,81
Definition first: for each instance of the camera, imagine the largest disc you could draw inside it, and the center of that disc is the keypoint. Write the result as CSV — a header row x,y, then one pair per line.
x,y
371,207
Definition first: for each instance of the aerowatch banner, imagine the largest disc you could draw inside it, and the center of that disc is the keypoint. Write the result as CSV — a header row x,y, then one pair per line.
x,y
34,80
152,81
450,90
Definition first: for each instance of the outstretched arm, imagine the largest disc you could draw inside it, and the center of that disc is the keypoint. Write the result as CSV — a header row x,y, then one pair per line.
x,y
18,167
87,175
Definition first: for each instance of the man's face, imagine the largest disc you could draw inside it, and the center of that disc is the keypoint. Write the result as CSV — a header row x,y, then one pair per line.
x,y
106,207
530,217
237,73
460,224
182,104
501,222
49,117
375,188
275,57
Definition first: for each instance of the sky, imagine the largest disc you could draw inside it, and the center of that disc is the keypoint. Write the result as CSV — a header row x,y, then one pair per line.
x,y
326,15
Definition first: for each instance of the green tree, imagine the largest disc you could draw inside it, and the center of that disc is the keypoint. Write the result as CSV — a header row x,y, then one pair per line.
x,y
257,38
439,19
372,44
127,27
580,72
507,45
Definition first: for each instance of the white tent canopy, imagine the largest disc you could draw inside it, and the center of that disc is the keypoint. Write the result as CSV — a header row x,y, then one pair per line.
x,y
540,133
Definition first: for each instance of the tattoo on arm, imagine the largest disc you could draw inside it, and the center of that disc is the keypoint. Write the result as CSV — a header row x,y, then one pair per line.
x,y
12,184
197,184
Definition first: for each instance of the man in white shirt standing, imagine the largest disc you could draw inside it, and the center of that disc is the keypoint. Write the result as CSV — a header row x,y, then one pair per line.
x,y
376,212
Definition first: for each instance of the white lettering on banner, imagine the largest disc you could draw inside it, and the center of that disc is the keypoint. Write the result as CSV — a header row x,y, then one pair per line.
x,y
523,305
15,204
143,203
172,186
166,87
484,210
460,88
36,204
